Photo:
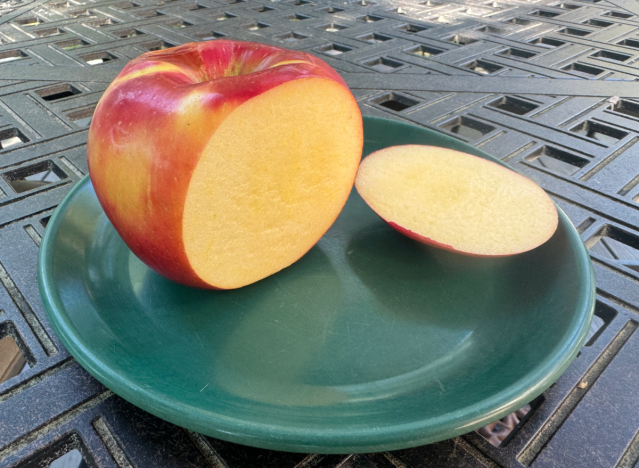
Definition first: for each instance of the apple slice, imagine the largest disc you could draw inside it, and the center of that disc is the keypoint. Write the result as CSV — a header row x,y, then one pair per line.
x,y
456,201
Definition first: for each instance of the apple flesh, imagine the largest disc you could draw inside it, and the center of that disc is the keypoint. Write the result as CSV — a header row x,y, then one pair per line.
x,y
456,201
220,163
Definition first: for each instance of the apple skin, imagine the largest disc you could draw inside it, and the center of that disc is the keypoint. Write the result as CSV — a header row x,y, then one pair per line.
x,y
433,243
154,121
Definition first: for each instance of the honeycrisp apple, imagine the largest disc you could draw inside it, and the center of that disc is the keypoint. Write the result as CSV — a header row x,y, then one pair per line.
x,y
456,201
220,163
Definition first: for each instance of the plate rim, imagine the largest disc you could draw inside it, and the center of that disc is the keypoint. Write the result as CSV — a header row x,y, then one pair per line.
x,y
339,440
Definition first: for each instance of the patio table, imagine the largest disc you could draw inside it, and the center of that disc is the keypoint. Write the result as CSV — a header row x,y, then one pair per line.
x,y
548,86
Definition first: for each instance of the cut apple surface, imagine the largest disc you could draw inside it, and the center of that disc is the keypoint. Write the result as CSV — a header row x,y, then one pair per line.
x,y
278,177
456,201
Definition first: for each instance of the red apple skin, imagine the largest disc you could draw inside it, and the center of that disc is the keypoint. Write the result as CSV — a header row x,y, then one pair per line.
x,y
155,119
434,243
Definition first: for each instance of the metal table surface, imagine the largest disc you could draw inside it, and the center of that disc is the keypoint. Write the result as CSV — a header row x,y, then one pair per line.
x,y
548,86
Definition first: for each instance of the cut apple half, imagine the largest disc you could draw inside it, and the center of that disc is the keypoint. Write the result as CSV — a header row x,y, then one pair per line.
x,y
222,162
271,181
456,201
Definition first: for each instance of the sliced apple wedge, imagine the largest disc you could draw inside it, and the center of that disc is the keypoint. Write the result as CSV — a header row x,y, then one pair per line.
x,y
456,201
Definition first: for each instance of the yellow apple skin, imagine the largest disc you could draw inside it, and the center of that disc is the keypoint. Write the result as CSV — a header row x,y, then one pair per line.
x,y
153,122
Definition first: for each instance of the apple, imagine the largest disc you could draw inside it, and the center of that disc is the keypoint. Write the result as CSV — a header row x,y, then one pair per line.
x,y
220,163
456,201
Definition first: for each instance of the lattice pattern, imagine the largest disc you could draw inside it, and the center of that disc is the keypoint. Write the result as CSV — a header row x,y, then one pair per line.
x,y
570,121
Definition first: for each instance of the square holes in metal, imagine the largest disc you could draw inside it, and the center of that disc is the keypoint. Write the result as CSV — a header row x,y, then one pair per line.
x,y
193,7
291,37
374,38
488,29
11,55
492,4
68,452
412,28
547,42
28,21
617,14
148,14
72,459
34,176
126,33
156,45
125,5
467,127
556,160
629,43
255,26
442,19
223,16
616,245
334,49
597,23
611,56
424,51
519,21
100,23
11,137
482,67
476,11
566,6
54,93
513,105
574,32
584,70
331,10
46,32
12,359
603,316
207,35
78,13
71,44
296,17
460,39
178,24
544,13
369,18
600,132
383,64
363,3
97,58
517,53
499,433
395,102
332,27
628,108
81,117
264,9
403,11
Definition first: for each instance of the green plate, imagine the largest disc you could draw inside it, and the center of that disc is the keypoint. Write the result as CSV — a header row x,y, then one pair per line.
x,y
370,342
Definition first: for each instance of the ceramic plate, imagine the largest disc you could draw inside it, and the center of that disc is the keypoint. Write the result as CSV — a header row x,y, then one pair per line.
x,y
370,342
